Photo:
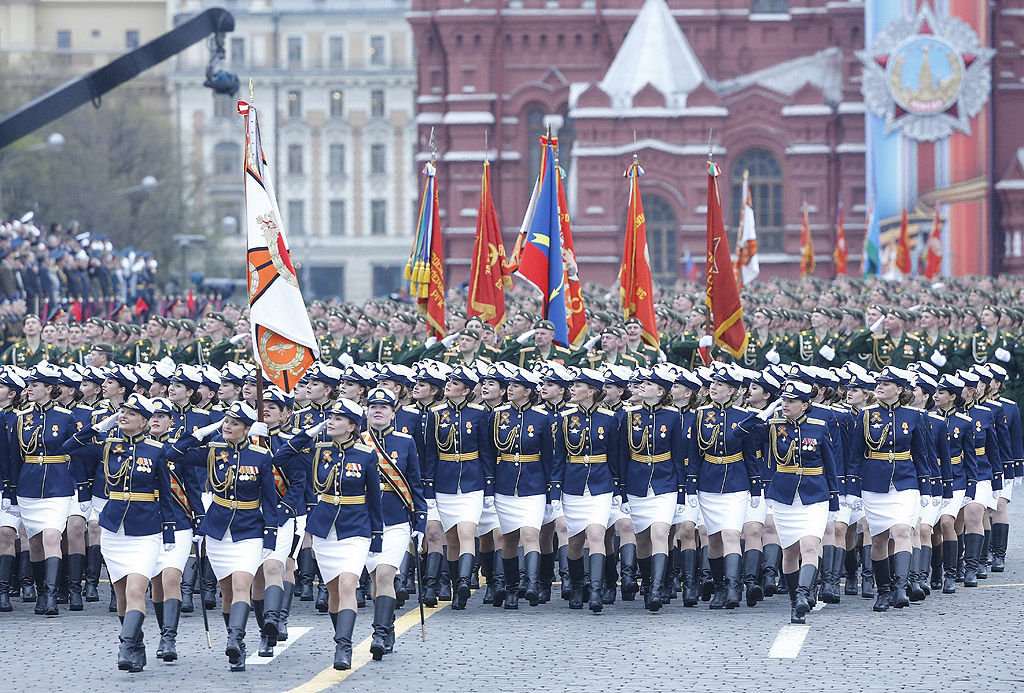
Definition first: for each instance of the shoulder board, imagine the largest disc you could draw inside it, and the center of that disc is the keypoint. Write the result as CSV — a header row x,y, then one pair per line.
x,y
528,348
705,407
870,406
820,422
963,416
933,415
62,410
399,434
540,408
503,407
408,407
439,406
197,410
878,336
217,444
1004,400
299,411
606,410
567,410
153,441
258,448
739,408
919,410
285,435
26,410
561,349
630,407
362,447
474,405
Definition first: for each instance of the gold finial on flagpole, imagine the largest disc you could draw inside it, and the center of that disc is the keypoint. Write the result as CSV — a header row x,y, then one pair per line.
x,y
251,97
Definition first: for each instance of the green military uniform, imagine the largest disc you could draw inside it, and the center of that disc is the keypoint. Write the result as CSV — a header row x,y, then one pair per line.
x,y
758,346
391,350
598,358
76,355
805,347
143,351
526,355
21,355
945,344
980,348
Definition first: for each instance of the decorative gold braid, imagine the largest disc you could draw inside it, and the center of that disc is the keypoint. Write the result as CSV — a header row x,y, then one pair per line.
x,y
874,445
574,450
329,481
113,480
783,459
229,475
706,443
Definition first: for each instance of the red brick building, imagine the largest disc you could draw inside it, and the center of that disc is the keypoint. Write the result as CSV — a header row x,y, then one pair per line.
x,y
776,82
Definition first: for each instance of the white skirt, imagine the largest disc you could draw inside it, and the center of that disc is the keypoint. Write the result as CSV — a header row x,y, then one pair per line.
x,y
9,520
688,514
178,556
516,512
844,514
615,515
886,510
1007,490
283,547
488,521
930,515
723,510
38,514
454,508
97,507
646,510
953,507
74,510
757,514
393,548
125,555
582,511
229,557
336,556
982,496
550,514
433,515
793,522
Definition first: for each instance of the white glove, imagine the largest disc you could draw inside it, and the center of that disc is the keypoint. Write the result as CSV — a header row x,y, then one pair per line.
x,y
107,423
692,501
258,429
844,502
85,507
1018,481
168,548
938,359
372,554
315,430
857,504
706,341
965,502
827,352
525,336
995,495
488,502
197,539
936,500
237,338
5,505
662,356
431,504
417,540
1002,354
755,501
616,500
770,410
945,502
205,432
925,501
624,508
430,341
556,505
832,517
680,509
450,339
877,327
265,554
346,360
14,511
589,344
772,357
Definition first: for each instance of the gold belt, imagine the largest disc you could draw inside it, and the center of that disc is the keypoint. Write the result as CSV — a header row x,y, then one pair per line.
x,y
519,457
458,456
889,456
588,459
343,500
979,451
797,469
956,460
236,504
129,496
723,459
47,459
650,459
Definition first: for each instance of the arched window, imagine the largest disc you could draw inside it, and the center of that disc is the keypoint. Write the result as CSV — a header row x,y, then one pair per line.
x,y
227,159
765,181
662,231
535,129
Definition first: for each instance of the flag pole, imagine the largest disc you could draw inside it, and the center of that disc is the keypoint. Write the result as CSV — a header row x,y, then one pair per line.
x,y
707,313
259,376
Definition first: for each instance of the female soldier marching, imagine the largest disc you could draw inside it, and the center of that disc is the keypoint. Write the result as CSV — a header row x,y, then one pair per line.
x,y
241,523
346,523
135,515
804,488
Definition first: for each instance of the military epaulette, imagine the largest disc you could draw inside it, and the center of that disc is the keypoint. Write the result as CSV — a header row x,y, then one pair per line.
x,y
1004,400
919,410
217,444
964,416
820,422
25,410
779,421
870,406
503,407
568,409
933,415
606,410
474,405
399,434
323,444
285,435
704,407
439,406
258,448
540,408
62,410
362,447
197,410
878,336
412,408
152,441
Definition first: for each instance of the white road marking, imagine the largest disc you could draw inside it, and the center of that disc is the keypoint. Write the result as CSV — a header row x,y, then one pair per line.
x,y
293,635
788,642
819,605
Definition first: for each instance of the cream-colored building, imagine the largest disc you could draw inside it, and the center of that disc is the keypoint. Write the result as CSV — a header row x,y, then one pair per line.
x,y
84,34
335,85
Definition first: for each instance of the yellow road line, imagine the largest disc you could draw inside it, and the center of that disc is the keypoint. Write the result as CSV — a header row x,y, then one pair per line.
x,y
1005,584
361,653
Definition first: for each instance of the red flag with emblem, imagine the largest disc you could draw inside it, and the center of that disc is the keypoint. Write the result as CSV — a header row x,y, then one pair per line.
x,y
283,341
635,283
489,275
839,255
723,296
933,256
806,244
903,245
576,314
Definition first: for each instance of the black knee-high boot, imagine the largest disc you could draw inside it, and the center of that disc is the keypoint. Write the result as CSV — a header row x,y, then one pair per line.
x,y
431,571
689,575
850,565
611,575
6,566
93,563
770,571
792,581
235,647
563,571
949,558
464,568
344,624
128,658
188,584
534,589
596,581
576,577
718,579
510,568
25,575
867,573
983,560
51,571
627,557
383,613
500,592
881,572
732,580
305,566
169,630
752,576
659,564
286,607
1000,538
972,558
546,576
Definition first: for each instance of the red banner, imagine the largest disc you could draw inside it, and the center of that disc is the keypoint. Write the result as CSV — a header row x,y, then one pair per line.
x,y
636,285
723,296
489,275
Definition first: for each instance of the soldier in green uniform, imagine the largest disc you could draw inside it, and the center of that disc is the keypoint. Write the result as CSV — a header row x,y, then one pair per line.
x,y
987,344
463,348
646,354
29,350
151,347
188,345
524,354
612,351
937,347
399,346
817,346
762,345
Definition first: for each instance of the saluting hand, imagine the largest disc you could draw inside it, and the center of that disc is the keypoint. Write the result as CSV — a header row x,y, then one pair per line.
x,y
107,423
315,431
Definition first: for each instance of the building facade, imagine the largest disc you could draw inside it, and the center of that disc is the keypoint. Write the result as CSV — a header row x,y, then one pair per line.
x,y
335,86
774,84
